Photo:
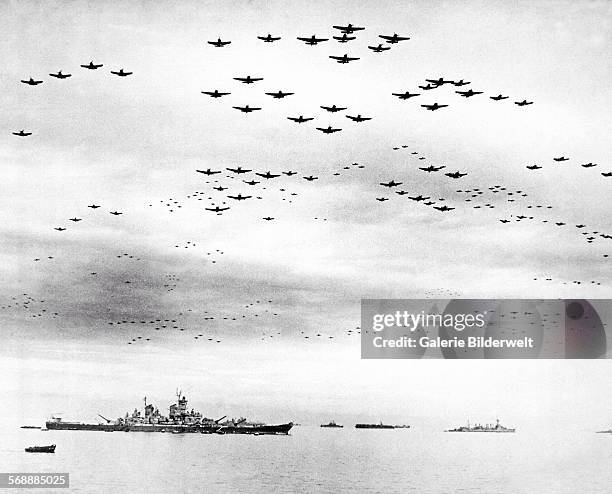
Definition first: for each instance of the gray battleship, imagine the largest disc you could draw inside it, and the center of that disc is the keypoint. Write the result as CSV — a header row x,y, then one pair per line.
x,y
482,428
332,425
179,420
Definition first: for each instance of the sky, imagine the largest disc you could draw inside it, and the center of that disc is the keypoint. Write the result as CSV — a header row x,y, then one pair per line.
x,y
132,145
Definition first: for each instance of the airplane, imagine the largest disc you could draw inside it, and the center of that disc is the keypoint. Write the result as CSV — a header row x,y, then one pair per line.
x,y
344,58
505,221
382,199
390,184
32,82
427,87
75,219
238,170
116,213
93,206
349,28
419,198
313,40
219,43
248,79
406,95
300,119
588,165
434,107
533,167
240,197
358,118
208,171
460,83
402,192
220,188
251,182
562,158
59,75
22,133
60,229
455,174
121,73
523,103
607,174
328,130
443,208
580,226
393,39
268,39
279,95
344,38
310,178
215,93
289,173
267,175
268,218
217,209
246,109
379,49
439,82
432,168
560,223
92,66
499,97
332,108
468,93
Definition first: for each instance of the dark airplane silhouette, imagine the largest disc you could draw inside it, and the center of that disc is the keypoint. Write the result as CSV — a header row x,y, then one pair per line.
x,y
406,95
300,119
121,73
239,197
92,66
268,218
418,198
402,192
434,107
468,93
268,39
217,209
393,39
279,95
382,199
344,58
59,75
75,219
523,103
607,174
208,171
349,28
313,40
428,87
344,38
439,82
116,213
588,165
310,178
60,229
215,93
250,182
505,221
21,133
443,208
499,97
358,118
238,170
562,158
432,168
246,109
289,173
267,175
379,49
333,108
390,184
219,43
533,167
32,82
456,174
328,130
248,79
220,188
93,206
460,83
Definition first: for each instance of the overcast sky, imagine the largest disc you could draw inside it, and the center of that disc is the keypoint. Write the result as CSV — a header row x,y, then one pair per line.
x,y
132,145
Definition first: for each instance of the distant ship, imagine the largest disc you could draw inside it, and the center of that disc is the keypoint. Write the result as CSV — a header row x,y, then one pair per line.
x,y
179,420
332,424
609,431
374,426
482,428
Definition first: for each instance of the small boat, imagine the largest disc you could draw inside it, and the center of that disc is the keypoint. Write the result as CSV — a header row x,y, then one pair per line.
x,y
30,427
41,449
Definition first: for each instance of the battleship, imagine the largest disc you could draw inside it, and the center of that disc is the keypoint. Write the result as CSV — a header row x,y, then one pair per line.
x,y
482,428
332,425
376,426
179,420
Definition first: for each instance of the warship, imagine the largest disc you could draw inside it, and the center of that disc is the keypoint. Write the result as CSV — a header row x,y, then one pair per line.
x,y
179,420
374,426
482,428
331,425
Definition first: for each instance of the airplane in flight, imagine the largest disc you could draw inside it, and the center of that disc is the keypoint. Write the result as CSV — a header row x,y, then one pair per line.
x,y
432,168
268,175
300,119
239,197
220,188
589,165
310,178
328,130
402,192
343,59
379,49
219,43
499,97
393,39
289,173
345,38
332,108
439,82
208,171
217,209
92,66
523,103
59,75
93,206
460,83
562,158
246,109
238,170
533,167
268,39
60,229
358,118
390,184
313,40
382,199
468,93
434,107
75,219
32,82
121,73
115,213
279,95
268,218
250,182
248,79
505,221
443,208
607,174
406,95
22,133
348,29
418,198
456,174
428,87
215,93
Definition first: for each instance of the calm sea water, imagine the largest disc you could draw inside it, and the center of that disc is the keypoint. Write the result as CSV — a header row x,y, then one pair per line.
x,y
312,459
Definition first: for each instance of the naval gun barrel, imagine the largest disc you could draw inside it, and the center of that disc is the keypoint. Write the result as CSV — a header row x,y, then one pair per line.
x,y
219,420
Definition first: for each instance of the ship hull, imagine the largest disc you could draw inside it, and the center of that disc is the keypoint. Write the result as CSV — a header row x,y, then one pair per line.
x,y
374,426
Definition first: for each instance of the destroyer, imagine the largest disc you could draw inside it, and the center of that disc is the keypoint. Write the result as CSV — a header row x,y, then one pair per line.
x,y
178,420
482,428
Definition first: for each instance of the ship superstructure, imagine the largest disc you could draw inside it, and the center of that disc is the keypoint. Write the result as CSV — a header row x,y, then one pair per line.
x,y
482,428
